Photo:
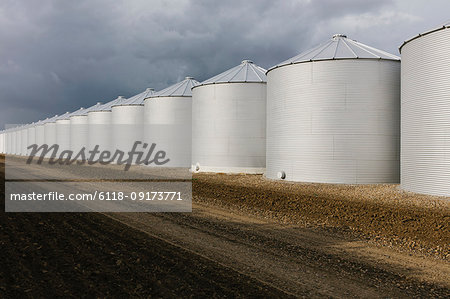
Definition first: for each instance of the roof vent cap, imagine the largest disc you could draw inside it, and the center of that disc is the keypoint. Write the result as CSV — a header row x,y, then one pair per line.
x,y
337,35
246,61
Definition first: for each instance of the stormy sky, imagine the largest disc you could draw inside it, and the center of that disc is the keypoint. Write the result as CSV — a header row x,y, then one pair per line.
x,y
57,55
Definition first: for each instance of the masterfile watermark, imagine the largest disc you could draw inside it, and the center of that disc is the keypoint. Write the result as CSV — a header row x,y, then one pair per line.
x,y
100,168
69,157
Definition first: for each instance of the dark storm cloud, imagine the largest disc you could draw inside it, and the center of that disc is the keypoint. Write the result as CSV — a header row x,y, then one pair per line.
x,y
56,56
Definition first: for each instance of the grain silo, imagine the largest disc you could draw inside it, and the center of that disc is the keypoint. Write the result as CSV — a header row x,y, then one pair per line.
x,y
24,140
2,142
50,133
18,140
168,122
14,135
128,121
333,115
425,107
14,140
62,125
7,141
79,130
4,138
31,136
229,121
40,132
100,126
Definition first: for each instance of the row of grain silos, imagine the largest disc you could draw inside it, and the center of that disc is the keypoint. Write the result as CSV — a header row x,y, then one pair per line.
x,y
328,115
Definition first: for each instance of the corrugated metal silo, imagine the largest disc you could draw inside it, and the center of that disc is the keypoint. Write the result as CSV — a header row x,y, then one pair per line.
x,y
40,132
31,136
19,140
100,129
50,133
425,110
333,115
229,121
52,128
168,122
9,142
79,129
62,125
128,121
14,140
2,142
6,137
4,134
24,142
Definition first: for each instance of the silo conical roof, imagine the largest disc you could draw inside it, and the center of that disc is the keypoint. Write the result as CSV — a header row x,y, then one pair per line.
x,y
39,122
67,116
62,116
180,89
81,112
338,47
51,119
137,99
441,27
247,71
108,106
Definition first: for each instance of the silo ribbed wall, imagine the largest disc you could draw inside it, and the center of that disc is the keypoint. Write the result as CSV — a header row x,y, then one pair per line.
x,y
14,142
425,104
40,133
63,134
50,135
8,142
78,133
31,137
334,121
100,130
229,127
24,142
2,143
127,124
18,146
168,123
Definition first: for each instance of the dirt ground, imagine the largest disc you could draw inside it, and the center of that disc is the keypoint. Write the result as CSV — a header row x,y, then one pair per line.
x,y
246,237
380,213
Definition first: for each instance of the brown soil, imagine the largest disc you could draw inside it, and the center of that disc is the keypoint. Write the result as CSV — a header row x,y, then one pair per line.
x,y
246,237
381,213
49,255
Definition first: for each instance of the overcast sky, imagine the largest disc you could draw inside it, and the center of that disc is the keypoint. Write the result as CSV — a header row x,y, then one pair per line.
x,y
56,55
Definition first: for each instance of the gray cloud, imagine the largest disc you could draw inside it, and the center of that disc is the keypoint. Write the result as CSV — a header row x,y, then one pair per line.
x,y
56,56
